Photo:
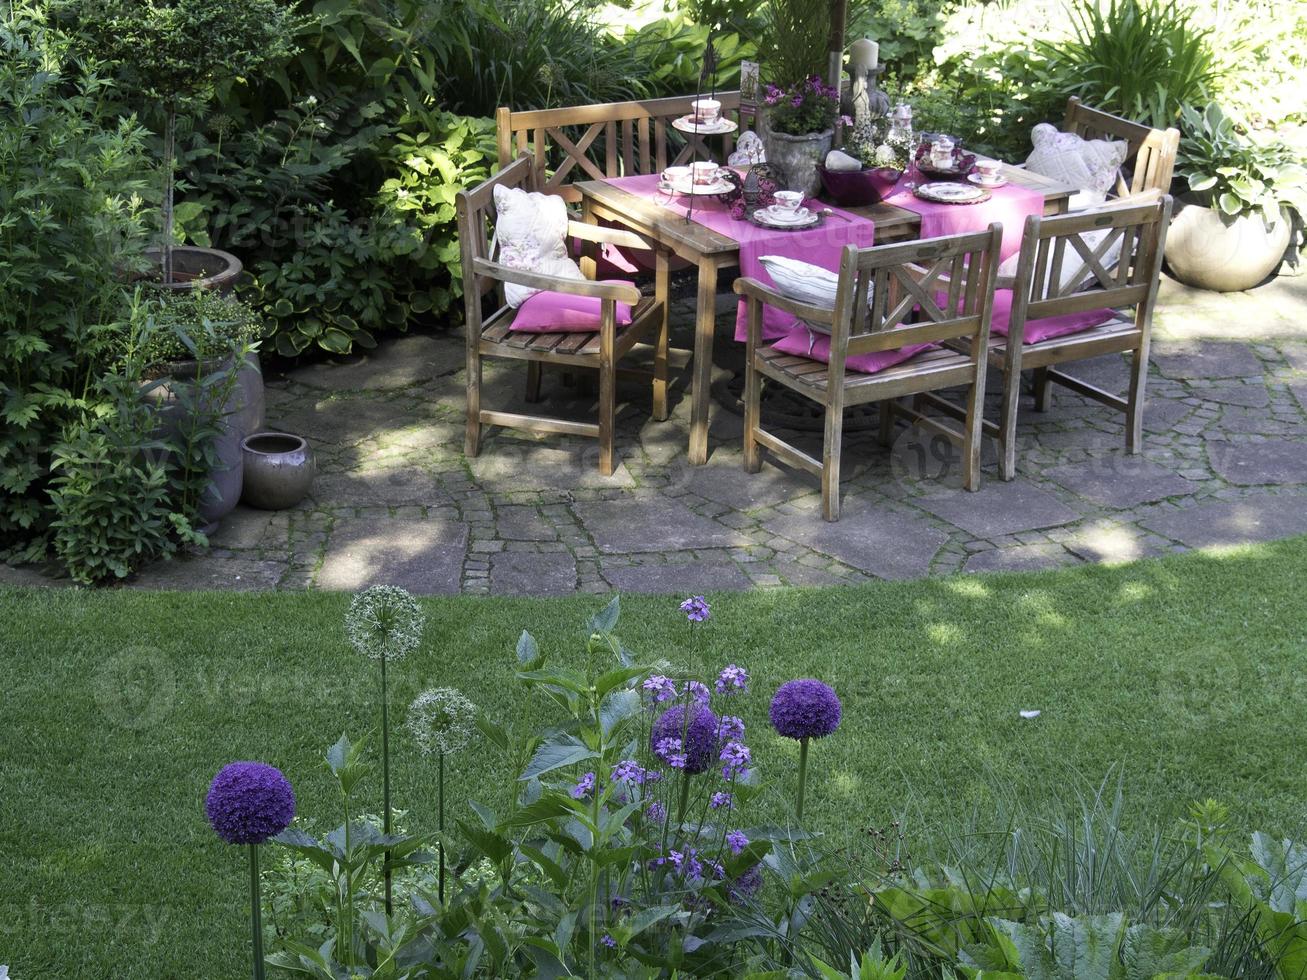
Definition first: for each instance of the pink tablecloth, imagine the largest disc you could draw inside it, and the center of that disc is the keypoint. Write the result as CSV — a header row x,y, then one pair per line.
x,y
1010,205
820,246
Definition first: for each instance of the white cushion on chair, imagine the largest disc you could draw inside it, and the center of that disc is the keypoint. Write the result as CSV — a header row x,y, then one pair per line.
x,y
1090,165
802,282
531,235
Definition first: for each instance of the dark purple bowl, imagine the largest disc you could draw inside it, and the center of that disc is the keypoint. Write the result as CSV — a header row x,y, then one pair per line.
x,y
858,188
963,164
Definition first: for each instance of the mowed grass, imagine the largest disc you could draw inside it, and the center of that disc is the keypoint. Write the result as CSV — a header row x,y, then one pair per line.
x,y
1186,674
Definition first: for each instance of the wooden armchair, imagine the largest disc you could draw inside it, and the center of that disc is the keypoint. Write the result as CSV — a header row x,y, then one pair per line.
x,y
1150,163
947,284
490,336
617,139
1047,285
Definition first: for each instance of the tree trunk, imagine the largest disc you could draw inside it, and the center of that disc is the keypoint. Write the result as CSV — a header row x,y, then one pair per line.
x,y
838,16
169,141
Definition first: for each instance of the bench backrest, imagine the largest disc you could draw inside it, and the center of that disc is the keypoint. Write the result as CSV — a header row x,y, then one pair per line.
x,y
1151,160
591,142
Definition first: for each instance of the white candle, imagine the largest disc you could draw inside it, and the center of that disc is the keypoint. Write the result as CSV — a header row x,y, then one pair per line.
x,y
863,55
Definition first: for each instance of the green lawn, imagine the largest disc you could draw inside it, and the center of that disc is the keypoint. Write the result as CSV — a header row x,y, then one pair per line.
x,y
118,708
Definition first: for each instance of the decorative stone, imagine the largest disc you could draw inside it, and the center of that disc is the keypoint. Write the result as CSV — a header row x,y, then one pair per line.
x,y
839,161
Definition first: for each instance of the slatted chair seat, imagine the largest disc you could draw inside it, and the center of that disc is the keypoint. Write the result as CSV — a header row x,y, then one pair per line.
x,y
600,350
1109,336
899,281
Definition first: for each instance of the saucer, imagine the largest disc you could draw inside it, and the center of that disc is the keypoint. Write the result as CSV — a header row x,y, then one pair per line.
x,y
774,213
980,181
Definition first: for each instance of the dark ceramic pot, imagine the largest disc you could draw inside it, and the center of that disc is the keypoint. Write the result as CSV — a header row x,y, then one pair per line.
x,y
199,268
859,188
279,470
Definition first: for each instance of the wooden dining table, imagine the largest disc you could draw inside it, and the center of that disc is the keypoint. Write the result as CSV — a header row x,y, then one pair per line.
x,y
710,252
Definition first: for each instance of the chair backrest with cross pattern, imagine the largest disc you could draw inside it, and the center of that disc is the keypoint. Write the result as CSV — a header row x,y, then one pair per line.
x,y
1150,163
591,142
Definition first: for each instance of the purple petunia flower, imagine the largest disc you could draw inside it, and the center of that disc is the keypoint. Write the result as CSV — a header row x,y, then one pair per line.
x,y
660,688
732,679
731,729
736,841
721,801
697,729
248,802
746,885
656,812
805,709
737,757
584,787
698,692
696,609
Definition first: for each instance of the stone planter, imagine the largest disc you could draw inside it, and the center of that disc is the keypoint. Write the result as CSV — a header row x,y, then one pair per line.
x,y
279,470
797,158
198,268
1209,250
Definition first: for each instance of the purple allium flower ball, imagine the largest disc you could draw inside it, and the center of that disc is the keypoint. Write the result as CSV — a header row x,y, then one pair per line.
x,y
698,733
248,802
805,709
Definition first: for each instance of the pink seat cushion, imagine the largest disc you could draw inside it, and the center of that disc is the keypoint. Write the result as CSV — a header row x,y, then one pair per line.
x,y
798,341
550,312
1047,328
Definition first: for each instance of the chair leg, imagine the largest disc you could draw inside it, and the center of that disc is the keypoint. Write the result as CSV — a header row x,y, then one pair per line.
x,y
752,417
661,281
1007,425
887,422
1043,390
607,411
830,463
972,437
534,371
472,439
1134,413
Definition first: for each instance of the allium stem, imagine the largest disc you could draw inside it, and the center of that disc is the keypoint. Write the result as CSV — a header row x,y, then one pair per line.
x,y
685,798
385,784
440,846
803,777
256,912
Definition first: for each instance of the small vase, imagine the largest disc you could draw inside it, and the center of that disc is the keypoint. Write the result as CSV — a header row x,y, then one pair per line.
x,y
798,157
278,470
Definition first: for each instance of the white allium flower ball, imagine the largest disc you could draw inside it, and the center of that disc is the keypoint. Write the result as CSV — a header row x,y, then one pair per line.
x,y
384,622
441,720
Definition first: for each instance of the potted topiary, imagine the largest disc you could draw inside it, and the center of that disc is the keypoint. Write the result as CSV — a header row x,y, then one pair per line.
x,y
169,55
1233,229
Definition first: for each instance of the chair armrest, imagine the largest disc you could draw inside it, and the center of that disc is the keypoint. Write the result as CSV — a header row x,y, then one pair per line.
x,y
609,236
622,292
753,289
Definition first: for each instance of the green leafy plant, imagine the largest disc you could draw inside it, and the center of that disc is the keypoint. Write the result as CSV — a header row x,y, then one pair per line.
x,y
1142,59
1235,175
795,41
216,326
672,51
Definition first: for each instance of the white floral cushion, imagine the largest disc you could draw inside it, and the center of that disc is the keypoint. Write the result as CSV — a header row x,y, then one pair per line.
x,y
531,234
1090,165
802,282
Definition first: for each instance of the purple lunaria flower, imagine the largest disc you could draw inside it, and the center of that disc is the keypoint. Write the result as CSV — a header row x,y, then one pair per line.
x,y
629,771
736,841
805,709
697,730
746,885
248,802
656,812
737,757
585,785
721,801
660,688
669,750
731,729
732,679
609,941
696,609
698,692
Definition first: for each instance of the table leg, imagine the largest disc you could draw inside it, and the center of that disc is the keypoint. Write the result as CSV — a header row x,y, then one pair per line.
x,y
701,376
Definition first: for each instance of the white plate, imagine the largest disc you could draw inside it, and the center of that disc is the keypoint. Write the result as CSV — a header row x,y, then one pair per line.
x,y
686,124
780,217
686,186
949,192
980,181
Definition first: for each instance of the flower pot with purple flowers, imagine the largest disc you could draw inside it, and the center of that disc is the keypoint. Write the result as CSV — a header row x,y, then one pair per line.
x,y
800,128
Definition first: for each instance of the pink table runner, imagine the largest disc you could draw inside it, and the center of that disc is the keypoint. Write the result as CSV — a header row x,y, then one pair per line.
x,y
820,246
1010,205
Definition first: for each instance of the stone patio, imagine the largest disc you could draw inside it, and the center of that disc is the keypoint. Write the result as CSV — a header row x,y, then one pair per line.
x,y
396,500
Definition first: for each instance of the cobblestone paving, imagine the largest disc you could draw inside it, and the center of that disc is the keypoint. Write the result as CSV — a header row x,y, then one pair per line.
x,y
1225,461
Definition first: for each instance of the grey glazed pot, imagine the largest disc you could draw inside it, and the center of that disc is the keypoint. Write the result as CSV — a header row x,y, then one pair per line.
x,y
797,159
279,470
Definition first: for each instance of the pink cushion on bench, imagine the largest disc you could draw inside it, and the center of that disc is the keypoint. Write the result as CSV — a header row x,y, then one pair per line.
x,y
800,339
550,312
1047,328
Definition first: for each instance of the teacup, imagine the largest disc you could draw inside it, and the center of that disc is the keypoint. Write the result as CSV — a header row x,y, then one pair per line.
x,y
941,153
706,111
704,171
988,170
676,175
788,202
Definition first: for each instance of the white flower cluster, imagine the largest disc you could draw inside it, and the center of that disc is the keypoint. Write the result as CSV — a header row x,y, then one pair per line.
x,y
441,720
384,622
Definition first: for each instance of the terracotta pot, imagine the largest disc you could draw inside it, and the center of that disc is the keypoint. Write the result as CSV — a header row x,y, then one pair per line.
x,y
859,188
199,268
1209,250
279,470
797,158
